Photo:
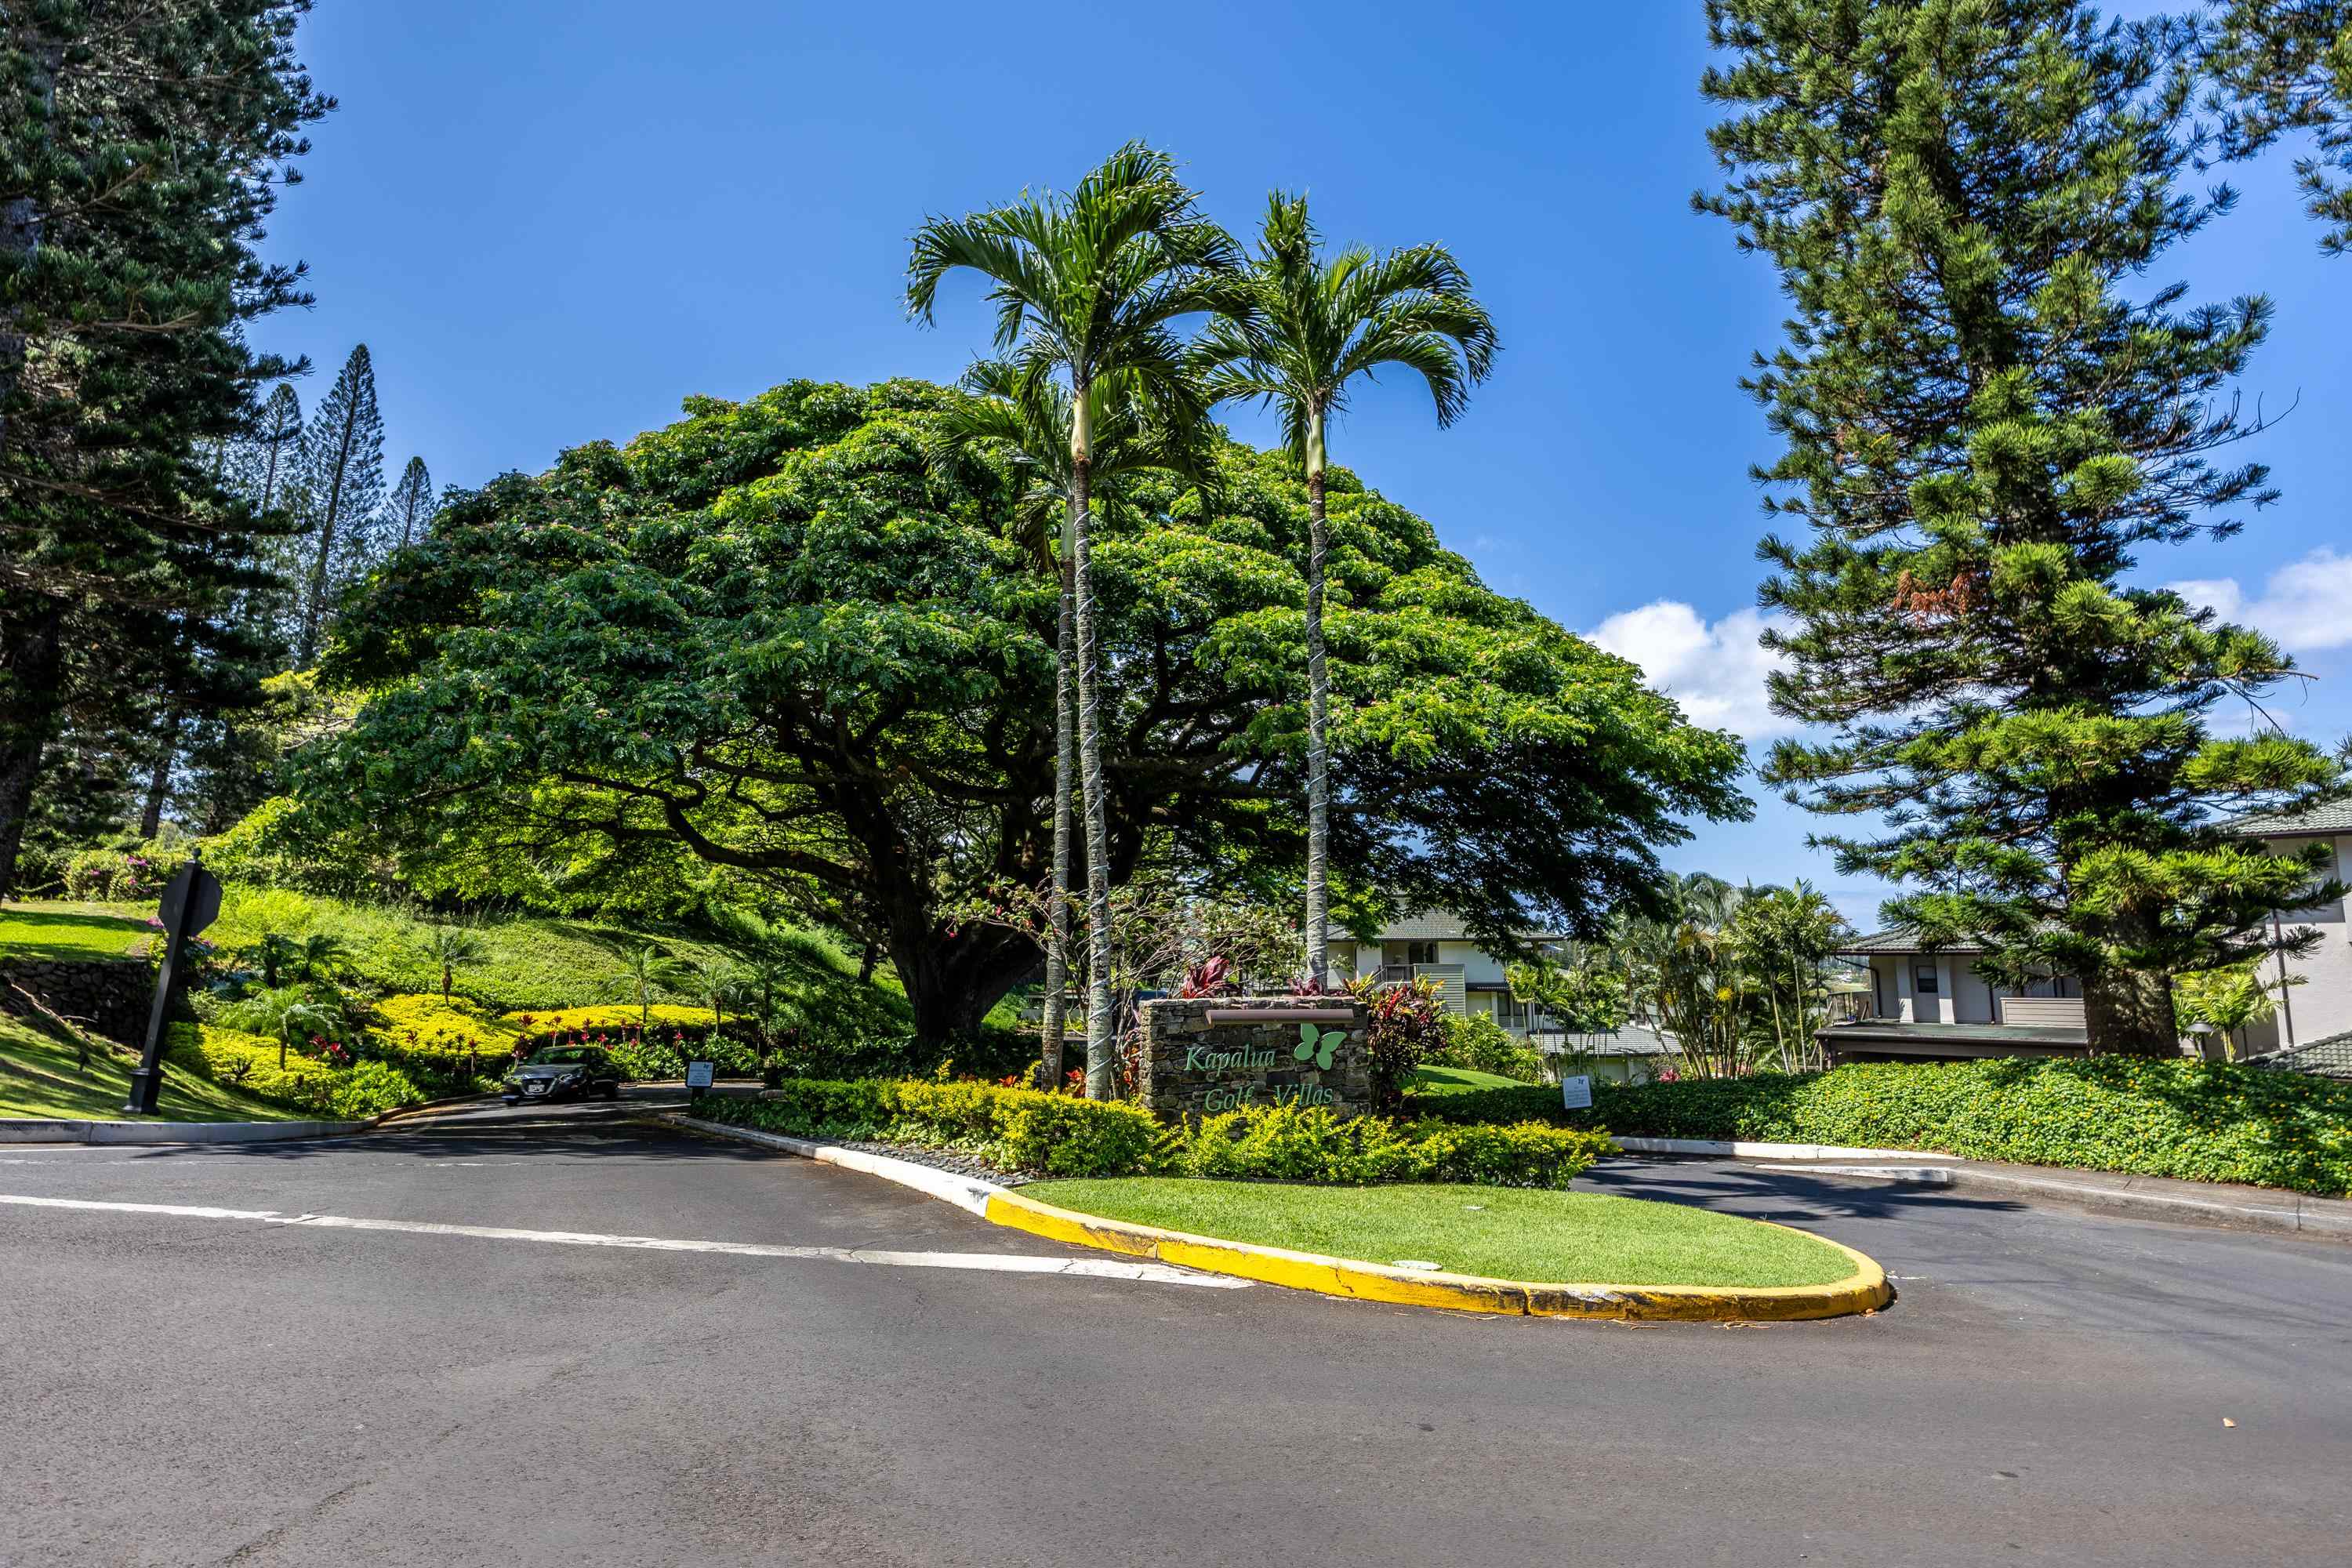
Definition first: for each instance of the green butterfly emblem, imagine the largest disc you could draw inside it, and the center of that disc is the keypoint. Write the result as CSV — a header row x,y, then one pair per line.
x,y
1313,1042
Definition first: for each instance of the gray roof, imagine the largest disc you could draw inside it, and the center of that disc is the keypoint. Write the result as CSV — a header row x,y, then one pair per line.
x,y
2329,1057
1440,925
2318,822
1903,938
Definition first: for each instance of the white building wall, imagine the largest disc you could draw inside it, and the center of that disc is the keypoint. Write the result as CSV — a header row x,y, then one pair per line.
x,y
2322,1004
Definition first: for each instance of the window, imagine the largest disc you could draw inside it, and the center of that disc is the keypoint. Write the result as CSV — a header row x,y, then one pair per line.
x,y
1922,979
1408,952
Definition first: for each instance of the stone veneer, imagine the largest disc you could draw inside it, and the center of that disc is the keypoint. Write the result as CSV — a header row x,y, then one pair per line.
x,y
1177,1084
111,997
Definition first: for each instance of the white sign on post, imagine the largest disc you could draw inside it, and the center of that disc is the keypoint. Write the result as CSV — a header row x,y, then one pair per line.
x,y
1576,1092
697,1075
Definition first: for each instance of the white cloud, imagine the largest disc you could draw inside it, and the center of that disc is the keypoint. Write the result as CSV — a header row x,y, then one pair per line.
x,y
1717,672
2306,605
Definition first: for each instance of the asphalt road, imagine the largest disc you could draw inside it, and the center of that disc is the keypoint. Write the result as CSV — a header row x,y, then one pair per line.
x,y
2050,1387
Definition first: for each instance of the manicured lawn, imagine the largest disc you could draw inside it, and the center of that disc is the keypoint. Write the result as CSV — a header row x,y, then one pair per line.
x,y
1504,1233
71,931
40,1076
1458,1080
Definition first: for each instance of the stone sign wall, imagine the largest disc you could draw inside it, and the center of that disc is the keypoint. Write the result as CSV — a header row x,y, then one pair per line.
x,y
1206,1055
108,996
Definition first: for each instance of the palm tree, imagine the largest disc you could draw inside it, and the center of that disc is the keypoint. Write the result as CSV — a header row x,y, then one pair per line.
x,y
320,952
284,1012
1027,418
644,971
445,947
1086,287
1306,329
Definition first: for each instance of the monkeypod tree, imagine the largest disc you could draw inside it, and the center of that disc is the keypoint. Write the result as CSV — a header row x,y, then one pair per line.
x,y
1988,418
780,638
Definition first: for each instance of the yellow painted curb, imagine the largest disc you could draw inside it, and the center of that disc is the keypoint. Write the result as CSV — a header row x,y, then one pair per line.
x,y
1865,1291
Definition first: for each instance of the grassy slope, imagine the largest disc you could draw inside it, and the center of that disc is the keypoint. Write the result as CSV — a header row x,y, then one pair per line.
x,y
40,1076
1502,1233
72,931
1458,1080
540,965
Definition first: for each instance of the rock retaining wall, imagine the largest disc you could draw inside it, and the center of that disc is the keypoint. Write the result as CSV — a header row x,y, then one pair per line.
x,y
1206,1055
109,996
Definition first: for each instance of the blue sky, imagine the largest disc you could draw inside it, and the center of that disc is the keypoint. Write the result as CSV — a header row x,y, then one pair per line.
x,y
550,222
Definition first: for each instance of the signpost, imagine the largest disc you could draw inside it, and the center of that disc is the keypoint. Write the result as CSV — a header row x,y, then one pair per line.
x,y
1576,1091
190,904
697,1078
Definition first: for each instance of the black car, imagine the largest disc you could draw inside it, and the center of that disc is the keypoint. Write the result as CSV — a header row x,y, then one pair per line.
x,y
563,1072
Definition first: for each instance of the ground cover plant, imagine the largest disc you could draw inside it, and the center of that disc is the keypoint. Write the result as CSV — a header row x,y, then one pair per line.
x,y
48,1071
1549,1236
2197,1121
1030,1131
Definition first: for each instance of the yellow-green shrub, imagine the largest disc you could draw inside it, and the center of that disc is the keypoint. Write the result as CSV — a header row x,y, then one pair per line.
x,y
304,1083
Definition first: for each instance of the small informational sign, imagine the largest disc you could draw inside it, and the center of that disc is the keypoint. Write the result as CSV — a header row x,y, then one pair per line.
x,y
1576,1091
698,1074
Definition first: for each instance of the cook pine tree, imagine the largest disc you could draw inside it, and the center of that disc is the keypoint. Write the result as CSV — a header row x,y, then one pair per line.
x,y
409,507
342,481
140,149
1992,413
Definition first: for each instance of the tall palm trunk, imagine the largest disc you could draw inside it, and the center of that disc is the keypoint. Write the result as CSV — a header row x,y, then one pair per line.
x,y
1318,714
1101,1082
1065,767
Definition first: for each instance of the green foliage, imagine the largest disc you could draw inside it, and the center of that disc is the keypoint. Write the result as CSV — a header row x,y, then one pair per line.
x,y
2282,66
140,149
106,875
1990,415
1405,1025
2195,1121
370,1088
788,590
1290,1144
1475,1042
1062,1135
1019,1129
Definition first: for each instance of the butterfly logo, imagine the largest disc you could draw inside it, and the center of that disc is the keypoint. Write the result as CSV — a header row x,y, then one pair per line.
x,y
1314,1043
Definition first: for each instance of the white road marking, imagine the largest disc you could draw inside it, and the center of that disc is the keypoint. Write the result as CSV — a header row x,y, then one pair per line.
x,y
994,1262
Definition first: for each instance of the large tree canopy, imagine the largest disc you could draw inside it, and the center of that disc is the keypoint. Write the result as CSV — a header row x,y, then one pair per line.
x,y
773,635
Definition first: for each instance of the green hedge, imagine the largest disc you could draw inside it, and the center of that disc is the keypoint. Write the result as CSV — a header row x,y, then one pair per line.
x,y
2195,1120
1057,1134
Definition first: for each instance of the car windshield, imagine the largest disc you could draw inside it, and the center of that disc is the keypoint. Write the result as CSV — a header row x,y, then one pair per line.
x,y
566,1056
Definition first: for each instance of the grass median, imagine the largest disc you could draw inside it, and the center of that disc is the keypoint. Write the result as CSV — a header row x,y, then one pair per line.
x,y
1499,1232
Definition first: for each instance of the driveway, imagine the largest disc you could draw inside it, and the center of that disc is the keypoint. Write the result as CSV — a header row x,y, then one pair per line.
x,y
2050,1387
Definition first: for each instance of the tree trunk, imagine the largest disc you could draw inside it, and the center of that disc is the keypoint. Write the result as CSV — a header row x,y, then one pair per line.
x,y
2130,1012
31,671
1065,767
314,605
1101,1077
159,782
1318,713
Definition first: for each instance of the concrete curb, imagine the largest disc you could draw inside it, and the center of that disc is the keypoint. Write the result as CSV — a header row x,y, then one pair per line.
x,y
967,1192
2287,1213
1865,1291
49,1130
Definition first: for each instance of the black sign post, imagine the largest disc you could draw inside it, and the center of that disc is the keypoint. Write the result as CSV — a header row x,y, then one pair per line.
x,y
190,904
